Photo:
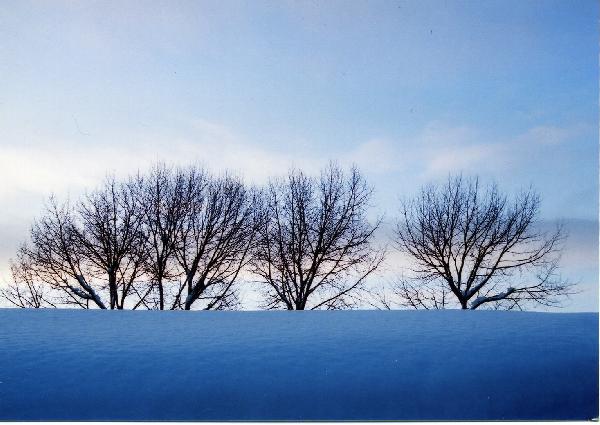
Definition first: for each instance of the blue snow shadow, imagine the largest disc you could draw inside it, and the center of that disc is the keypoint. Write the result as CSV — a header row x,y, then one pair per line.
x,y
343,365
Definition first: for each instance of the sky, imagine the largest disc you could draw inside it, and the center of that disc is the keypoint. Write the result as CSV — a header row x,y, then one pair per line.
x,y
410,91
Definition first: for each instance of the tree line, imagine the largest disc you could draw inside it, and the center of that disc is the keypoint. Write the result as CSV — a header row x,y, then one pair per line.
x,y
181,238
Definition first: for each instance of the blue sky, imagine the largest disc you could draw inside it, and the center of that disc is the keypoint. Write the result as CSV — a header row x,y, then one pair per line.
x,y
410,91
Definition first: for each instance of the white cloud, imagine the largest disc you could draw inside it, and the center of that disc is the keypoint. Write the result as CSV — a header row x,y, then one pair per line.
x,y
445,149
549,135
69,166
375,155
65,166
49,164
452,160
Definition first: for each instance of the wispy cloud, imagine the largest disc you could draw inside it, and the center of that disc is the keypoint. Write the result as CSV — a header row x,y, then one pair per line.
x,y
550,135
440,149
51,164
375,156
68,167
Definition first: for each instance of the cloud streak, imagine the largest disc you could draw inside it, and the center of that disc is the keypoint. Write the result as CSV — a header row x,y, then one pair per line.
x,y
67,167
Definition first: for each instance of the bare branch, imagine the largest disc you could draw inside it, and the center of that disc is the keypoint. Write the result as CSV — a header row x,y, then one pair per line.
x,y
314,247
470,240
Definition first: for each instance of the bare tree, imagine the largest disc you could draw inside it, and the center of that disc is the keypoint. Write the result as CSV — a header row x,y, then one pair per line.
x,y
110,240
165,196
477,248
26,290
141,244
53,258
78,254
215,240
314,248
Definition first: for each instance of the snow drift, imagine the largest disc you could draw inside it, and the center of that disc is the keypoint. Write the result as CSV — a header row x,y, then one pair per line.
x,y
409,365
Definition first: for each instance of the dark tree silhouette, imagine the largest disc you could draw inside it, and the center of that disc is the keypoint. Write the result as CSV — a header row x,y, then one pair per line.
x,y
53,257
215,239
477,248
164,240
27,290
83,252
314,247
165,195
111,241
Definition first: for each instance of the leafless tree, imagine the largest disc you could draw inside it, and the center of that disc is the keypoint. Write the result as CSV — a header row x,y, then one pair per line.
x,y
53,257
474,247
110,240
215,240
314,247
166,240
165,195
26,290
80,253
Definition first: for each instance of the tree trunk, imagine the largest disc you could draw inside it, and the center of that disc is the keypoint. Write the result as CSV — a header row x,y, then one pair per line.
x,y
161,295
194,291
112,286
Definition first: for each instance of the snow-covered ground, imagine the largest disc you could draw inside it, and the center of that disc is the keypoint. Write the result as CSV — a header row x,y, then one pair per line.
x,y
80,365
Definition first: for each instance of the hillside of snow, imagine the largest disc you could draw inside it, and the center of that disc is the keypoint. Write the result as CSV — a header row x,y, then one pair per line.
x,y
404,365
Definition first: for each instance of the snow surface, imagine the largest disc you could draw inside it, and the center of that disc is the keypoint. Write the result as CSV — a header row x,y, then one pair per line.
x,y
410,365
